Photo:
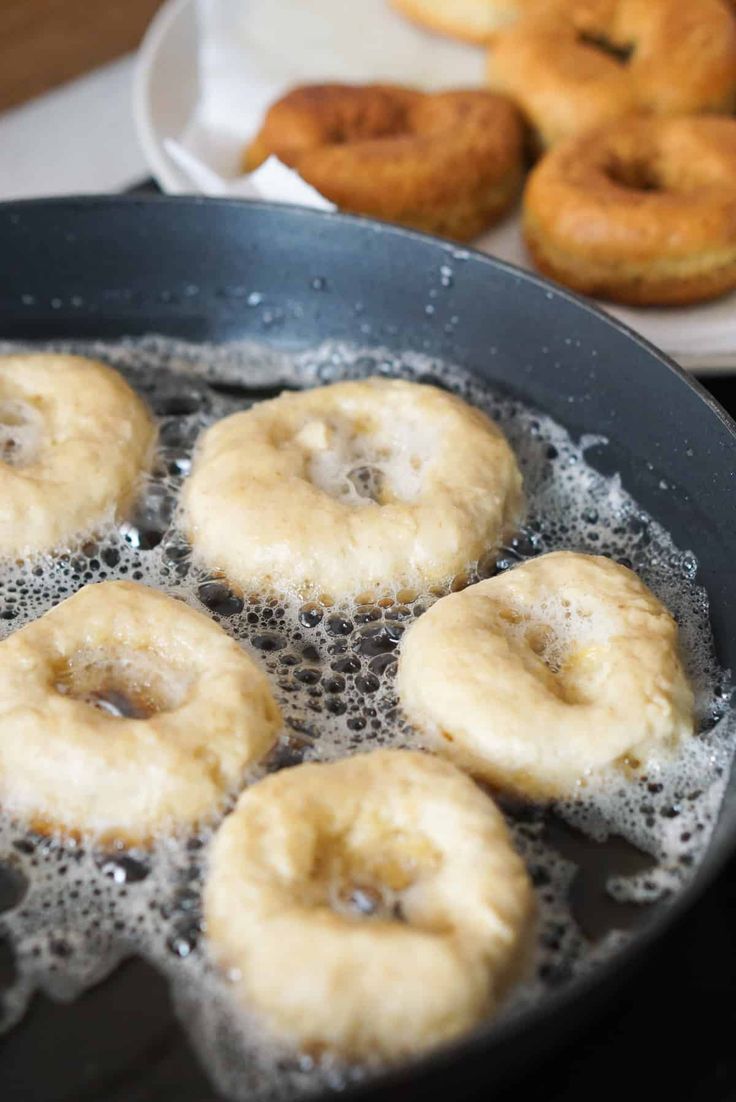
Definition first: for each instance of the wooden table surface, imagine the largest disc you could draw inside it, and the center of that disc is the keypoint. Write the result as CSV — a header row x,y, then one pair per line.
x,y
45,42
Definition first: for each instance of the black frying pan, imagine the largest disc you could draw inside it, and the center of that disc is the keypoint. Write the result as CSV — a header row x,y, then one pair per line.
x,y
112,267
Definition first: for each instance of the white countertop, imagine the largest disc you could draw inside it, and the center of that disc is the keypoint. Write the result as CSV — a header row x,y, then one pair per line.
x,y
78,138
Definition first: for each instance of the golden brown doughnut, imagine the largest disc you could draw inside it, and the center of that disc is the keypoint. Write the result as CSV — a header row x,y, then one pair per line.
x,y
449,163
469,20
643,212
572,65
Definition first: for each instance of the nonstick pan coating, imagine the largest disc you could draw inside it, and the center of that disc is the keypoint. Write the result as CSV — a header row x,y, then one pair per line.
x,y
219,270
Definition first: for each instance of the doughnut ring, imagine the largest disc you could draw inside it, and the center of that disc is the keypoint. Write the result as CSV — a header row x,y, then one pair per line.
x,y
469,20
371,907
449,163
350,487
124,714
60,418
540,679
573,65
643,212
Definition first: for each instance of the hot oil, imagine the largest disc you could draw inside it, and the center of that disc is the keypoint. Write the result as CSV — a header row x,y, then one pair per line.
x,y
70,911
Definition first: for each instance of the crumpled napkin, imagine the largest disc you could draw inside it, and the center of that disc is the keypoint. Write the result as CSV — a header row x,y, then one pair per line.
x,y
273,180
252,51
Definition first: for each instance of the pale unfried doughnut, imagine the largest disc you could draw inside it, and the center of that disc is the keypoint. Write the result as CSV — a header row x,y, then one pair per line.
x,y
75,441
196,712
351,487
539,679
370,907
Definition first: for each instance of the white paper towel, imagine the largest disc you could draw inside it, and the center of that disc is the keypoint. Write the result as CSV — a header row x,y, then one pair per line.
x,y
252,51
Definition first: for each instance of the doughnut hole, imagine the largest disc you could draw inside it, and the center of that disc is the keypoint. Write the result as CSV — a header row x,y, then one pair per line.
x,y
365,461
621,52
635,174
575,67
361,882
562,644
122,683
21,428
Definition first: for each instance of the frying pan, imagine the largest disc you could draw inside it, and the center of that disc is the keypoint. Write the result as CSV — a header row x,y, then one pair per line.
x,y
118,267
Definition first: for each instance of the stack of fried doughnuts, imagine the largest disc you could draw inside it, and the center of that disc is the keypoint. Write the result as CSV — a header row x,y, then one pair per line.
x,y
601,217
61,418
640,212
371,907
449,163
576,64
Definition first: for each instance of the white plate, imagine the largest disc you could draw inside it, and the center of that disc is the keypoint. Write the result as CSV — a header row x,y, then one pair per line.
x,y
167,91
166,88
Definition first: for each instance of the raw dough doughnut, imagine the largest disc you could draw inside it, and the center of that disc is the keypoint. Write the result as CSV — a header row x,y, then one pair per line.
x,y
643,212
124,713
538,679
469,20
572,65
349,487
370,907
74,443
449,163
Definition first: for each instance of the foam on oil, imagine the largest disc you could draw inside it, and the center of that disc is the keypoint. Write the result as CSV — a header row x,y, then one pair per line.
x,y
386,465
72,911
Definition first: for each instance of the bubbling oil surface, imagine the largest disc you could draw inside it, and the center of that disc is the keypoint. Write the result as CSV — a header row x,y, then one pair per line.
x,y
70,911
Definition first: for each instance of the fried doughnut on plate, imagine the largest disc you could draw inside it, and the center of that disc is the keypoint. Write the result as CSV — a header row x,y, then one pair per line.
x,y
642,212
448,163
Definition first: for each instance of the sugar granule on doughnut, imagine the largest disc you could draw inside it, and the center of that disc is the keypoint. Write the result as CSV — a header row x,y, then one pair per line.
x,y
448,163
371,907
349,488
75,441
642,212
541,679
469,20
124,714
573,65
